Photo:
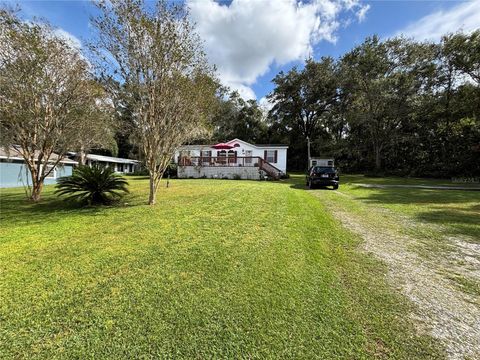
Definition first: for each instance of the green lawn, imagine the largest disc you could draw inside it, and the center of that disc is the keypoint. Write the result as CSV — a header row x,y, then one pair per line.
x,y
451,213
218,269
441,222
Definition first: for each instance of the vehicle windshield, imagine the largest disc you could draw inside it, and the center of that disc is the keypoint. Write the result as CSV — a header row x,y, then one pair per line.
x,y
323,170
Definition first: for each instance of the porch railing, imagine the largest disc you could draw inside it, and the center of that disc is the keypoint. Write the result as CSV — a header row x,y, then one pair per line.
x,y
219,161
233,161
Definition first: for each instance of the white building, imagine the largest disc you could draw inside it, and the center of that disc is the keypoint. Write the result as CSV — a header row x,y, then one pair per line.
x,y
235,158
119,165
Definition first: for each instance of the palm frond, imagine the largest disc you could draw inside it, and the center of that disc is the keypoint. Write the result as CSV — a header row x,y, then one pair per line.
x,y
92,185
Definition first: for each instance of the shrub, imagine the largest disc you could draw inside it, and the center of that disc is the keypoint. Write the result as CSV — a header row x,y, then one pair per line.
x,y
140,172
92,185
172,170
236,177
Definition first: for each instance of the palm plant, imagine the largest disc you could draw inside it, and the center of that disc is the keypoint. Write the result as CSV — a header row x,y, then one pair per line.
x,y
92,185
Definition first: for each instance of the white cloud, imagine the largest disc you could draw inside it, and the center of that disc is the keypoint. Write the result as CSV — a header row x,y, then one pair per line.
x,y
462,17
72,40
246,37
362,13
265,104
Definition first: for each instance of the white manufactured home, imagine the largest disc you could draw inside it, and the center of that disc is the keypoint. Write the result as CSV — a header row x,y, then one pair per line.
x,y
119,165
233,159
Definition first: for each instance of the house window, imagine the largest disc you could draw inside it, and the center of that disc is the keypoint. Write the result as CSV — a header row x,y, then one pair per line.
x,y
248,156
206,156
271,156
51,171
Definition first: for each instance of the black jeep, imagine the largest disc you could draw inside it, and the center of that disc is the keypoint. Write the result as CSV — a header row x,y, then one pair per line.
x,y
322,176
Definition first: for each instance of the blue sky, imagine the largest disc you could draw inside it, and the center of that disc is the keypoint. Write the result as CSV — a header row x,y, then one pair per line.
x,y
252,40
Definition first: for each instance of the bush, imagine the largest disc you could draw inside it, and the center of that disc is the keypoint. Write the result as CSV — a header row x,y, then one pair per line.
x,y
236,177
92,185
140,172
172,170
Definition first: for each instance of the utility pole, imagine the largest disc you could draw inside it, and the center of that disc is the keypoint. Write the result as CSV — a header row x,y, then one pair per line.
x,y
308,152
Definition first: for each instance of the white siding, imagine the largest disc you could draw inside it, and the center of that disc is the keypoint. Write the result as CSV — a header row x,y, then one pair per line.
x,y
257,151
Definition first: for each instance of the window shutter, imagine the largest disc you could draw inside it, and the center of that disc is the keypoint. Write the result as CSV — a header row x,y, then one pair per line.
x,y
265,155
275,157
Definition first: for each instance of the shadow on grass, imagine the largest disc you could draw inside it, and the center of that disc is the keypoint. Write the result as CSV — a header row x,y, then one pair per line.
x,y
435,207
417,196
456,221
16,209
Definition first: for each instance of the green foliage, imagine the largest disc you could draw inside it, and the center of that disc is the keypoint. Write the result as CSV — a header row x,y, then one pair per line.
x,y
391,106
227,269
171,170
92,185
237,118
302,99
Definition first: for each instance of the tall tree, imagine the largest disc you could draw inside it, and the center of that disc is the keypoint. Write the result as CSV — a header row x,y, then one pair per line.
x,y
154,52
99,130
303,98
464,50
239,118
45,91
383,79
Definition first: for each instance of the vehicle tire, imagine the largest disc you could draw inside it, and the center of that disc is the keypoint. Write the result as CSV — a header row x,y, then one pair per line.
x,y
335,187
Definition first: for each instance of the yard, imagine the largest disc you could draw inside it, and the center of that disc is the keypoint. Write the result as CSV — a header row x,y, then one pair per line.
x,y
228,269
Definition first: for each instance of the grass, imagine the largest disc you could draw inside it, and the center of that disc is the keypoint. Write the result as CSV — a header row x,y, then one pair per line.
x,y
218,269
451,213
437,219
395,180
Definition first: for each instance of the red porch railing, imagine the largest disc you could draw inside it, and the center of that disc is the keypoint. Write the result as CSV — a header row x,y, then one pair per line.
x,y
247,161
219,161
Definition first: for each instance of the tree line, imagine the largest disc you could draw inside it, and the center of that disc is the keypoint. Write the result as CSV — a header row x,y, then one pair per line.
x,y
143,86
393,106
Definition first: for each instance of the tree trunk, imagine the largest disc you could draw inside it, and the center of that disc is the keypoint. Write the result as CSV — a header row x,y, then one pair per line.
x,y
308,153
37,187
82,156
378,158
152,198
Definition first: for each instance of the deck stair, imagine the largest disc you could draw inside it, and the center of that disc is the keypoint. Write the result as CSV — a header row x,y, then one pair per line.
x,y
271,170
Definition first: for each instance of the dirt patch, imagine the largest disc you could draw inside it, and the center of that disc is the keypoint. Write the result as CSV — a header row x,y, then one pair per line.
x,y
448,313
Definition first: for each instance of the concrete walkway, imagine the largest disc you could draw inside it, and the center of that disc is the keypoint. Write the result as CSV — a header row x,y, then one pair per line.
x,y
431,187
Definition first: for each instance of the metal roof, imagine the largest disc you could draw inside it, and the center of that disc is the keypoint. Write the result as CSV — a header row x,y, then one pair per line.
x,y
194,147
102,158
15,153
259,145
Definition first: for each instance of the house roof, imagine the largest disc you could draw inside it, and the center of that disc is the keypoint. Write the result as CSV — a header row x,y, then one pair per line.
x,y
14,153
195,147
102,158
259,145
